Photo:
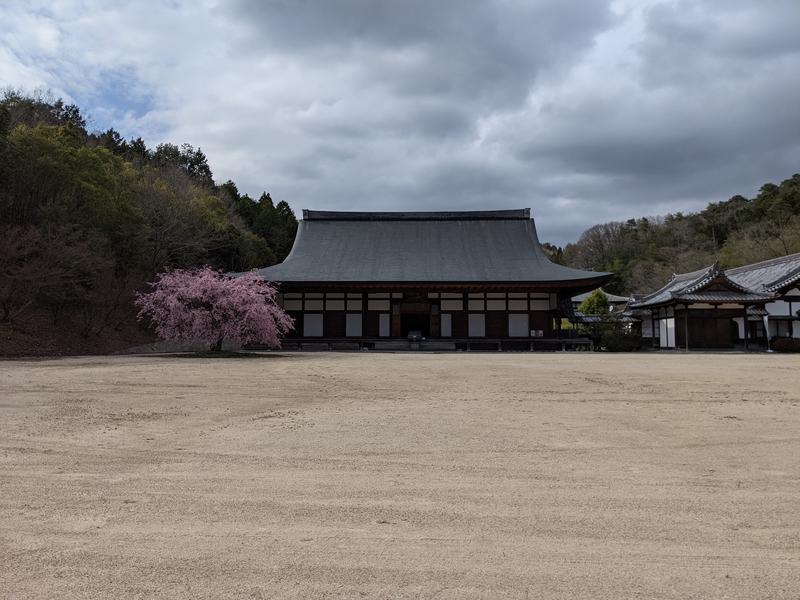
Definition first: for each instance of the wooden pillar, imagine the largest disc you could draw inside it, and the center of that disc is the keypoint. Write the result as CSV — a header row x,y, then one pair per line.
x,y
396,325
686,327
558,317
745,323
364,306
435,321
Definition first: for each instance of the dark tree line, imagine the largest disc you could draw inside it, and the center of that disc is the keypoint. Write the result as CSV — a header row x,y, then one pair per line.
x,y
87,217
645,252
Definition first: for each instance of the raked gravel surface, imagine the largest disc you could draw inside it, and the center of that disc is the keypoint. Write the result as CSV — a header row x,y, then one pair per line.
x,y
336,475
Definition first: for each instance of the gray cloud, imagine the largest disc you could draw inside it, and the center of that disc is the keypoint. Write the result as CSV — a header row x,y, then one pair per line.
x,y
585,111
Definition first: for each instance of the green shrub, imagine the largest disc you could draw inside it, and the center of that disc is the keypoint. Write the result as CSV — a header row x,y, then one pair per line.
x,y
616,339
785,344
612,336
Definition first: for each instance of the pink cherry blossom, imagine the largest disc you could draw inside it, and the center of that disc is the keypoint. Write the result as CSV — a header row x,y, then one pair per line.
x,y
206,306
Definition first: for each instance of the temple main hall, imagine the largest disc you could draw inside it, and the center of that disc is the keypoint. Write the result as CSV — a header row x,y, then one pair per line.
x,y
461,277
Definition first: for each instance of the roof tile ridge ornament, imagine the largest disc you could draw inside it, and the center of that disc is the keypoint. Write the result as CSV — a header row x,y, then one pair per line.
x,y
704,278
663,290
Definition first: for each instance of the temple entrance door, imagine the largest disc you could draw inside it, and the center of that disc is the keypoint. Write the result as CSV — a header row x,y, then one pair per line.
x,y
415,315
415,322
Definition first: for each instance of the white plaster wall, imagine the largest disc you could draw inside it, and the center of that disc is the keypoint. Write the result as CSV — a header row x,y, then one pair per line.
x,y
476,325
647,328
778,308
312,325
739,327
671,332
540,305
446,325
518,325
384,324
667,331
773,329
352,325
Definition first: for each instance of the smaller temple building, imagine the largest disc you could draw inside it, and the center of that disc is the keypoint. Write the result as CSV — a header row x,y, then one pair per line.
x,y
716,308
615,303
781,277
456,277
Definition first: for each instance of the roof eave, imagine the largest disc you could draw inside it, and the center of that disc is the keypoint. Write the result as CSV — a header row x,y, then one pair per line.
x,y
784,283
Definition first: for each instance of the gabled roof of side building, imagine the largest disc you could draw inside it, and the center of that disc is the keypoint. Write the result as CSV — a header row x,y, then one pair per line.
x,y
709,285
422,247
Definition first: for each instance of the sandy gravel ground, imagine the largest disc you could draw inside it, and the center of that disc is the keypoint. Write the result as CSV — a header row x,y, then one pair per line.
x,y
401,476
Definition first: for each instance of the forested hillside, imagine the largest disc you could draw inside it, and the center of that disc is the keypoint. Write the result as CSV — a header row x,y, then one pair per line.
x,y
645,252
86,218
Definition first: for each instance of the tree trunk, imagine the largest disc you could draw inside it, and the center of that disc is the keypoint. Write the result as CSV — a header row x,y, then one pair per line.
x,y
217,347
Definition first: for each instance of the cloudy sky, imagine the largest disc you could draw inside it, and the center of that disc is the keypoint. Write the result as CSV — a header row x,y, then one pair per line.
x,y
586,111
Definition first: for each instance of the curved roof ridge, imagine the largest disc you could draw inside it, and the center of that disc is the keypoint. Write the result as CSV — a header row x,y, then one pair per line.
x,y
674,285
714,272
691,274
705,277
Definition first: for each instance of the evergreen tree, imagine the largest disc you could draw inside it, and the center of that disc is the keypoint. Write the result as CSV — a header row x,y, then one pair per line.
x,y
595,303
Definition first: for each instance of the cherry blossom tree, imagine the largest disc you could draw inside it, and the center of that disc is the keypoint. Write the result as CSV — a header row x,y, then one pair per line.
x,y
206,306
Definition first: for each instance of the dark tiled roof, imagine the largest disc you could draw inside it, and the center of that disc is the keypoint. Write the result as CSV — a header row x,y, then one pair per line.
x,y
611,297
770,275
679,282
579,317
717,297
692,287
493,246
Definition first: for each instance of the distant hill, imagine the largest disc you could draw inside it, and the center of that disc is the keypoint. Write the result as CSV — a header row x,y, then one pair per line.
x,y
645,252
86,218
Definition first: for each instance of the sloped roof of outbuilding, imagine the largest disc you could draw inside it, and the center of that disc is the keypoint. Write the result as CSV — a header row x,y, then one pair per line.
x,y
678,282
769,275
422,247
579,317
612,298
703,286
